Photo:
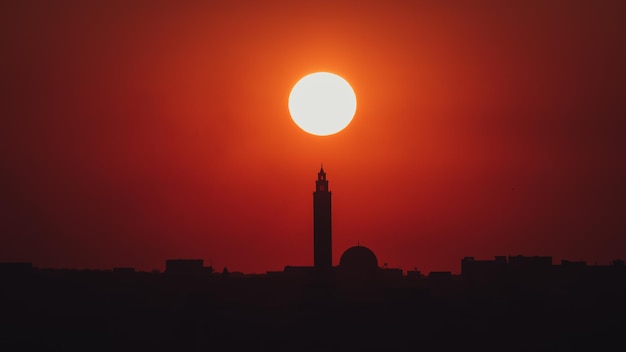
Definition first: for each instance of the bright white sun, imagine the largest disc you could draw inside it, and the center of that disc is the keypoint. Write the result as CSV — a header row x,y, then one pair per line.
x,y
322,103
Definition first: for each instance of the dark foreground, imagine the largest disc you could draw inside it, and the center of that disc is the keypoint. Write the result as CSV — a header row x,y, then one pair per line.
x,y
108,311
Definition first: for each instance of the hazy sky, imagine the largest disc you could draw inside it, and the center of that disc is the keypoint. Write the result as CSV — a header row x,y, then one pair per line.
x,y
136,131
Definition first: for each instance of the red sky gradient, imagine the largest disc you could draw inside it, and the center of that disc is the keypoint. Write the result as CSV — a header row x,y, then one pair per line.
x,y
136,131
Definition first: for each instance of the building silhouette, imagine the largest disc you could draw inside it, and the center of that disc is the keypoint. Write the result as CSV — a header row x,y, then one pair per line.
x,y
525,299
358,258
358,264
322,225
187,267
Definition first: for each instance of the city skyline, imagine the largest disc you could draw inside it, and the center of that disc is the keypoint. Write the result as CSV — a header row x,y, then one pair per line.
x,y
133,132
322,258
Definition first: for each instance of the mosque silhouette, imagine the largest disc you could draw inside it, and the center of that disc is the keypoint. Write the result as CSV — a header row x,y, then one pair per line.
x,y
357,260
357,265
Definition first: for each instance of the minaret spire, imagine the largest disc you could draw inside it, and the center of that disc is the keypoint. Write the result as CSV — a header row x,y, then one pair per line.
x,y
321,184
322,227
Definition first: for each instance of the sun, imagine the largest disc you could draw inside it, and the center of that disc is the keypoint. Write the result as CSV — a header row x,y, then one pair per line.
x,y
322,103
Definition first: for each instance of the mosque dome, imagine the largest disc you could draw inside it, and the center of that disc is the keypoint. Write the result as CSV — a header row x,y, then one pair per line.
x,y
358,258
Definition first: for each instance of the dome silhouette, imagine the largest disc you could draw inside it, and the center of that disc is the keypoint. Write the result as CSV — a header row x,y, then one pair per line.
x,y
358,258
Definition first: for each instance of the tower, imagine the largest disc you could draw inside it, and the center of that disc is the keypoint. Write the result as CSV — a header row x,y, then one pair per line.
x,y
322,229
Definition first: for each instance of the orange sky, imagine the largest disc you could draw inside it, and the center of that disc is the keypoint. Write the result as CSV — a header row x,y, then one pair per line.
x,y
136,131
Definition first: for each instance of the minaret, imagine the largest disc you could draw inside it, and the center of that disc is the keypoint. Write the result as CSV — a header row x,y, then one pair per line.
x,y
322,229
